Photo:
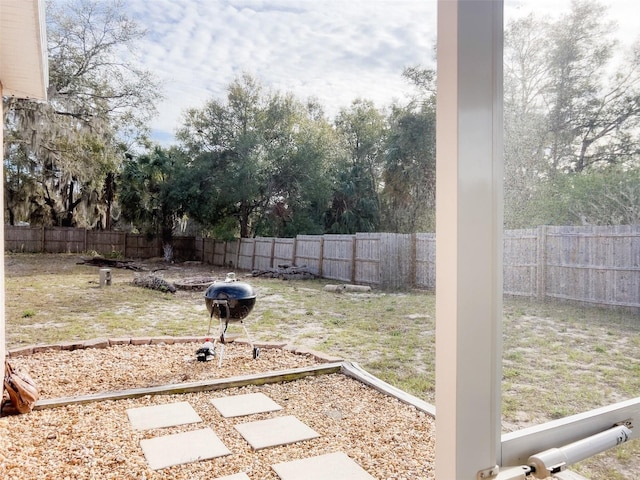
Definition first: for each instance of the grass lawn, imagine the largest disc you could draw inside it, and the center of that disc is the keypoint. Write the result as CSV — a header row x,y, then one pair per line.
x,y
558,359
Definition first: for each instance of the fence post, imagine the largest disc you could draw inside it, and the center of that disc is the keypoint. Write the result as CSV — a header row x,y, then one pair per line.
x,y
273,252
213,253
353,259
224,253
541,263
253,254
321,259
294,249
413,269
239,245
43,249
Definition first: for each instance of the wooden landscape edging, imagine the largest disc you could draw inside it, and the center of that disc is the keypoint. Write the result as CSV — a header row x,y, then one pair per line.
x,y
352,370
194,387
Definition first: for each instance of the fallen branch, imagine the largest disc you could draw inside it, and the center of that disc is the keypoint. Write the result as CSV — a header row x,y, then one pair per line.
x,y
113,263
154,283
347,288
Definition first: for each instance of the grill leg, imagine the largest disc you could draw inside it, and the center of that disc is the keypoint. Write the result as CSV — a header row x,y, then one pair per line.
x,y
255,350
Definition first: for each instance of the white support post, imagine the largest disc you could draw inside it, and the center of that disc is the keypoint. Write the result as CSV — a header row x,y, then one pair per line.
x,y
469,238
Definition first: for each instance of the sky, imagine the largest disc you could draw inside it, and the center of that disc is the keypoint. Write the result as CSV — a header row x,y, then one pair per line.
x,y
332,50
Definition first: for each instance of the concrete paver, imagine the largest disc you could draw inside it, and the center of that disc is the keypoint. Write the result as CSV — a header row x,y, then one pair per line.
x,y
180,448
334,466
248,404
160,416
275,431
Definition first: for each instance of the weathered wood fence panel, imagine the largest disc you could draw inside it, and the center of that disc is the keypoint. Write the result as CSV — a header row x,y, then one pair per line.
x,y
64,240
232,252
310,252
183,247
263,257
246,253
24,239
219,249
139,246
367,259
425,262
594,265
338,257
79,240
397,261
520,273
105,243
284,251
202,250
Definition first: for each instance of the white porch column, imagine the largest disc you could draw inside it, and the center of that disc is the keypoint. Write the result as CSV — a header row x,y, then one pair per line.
x,y
24,73
468,238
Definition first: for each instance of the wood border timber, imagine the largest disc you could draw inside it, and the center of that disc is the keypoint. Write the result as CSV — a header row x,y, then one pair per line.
x,y
194,387
354,370
349,369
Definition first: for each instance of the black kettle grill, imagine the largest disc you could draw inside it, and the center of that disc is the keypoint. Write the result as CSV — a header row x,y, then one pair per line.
x,y
229,301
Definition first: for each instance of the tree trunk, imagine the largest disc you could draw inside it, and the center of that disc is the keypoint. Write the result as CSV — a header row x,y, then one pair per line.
x,y
109,193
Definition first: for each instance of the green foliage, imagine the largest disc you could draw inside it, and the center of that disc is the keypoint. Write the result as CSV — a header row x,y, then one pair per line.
x,y
570,115
151,192
262,159
355,206
61,155
408,196
259,162
599,197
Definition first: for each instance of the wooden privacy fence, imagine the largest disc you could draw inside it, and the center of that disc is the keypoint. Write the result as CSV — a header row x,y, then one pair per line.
x,y
590,264
594,265
389,261
78,240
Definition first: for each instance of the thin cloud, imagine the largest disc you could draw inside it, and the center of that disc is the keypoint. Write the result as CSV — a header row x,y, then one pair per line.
x,y
331,50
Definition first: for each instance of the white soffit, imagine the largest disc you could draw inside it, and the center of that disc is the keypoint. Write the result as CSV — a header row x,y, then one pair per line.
x,y
24,70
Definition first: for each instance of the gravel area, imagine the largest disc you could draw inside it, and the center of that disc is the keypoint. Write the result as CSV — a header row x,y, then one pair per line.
x,y
386,437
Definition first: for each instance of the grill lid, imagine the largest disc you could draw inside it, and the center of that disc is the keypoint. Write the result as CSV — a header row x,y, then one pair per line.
x,y
230,299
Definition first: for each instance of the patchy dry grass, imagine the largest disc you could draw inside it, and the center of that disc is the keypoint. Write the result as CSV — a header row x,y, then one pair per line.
x,y
558,359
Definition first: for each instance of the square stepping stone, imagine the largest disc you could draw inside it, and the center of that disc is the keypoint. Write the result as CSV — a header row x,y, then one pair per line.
x,y
336,466
181,448
160,416
275,431
248,404
237,476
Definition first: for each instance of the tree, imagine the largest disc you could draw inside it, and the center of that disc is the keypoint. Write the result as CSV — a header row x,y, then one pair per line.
x,y
71,145
564,112
597,197
408,195
355,206
260,158
526,78
591,114
303,156
150,193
